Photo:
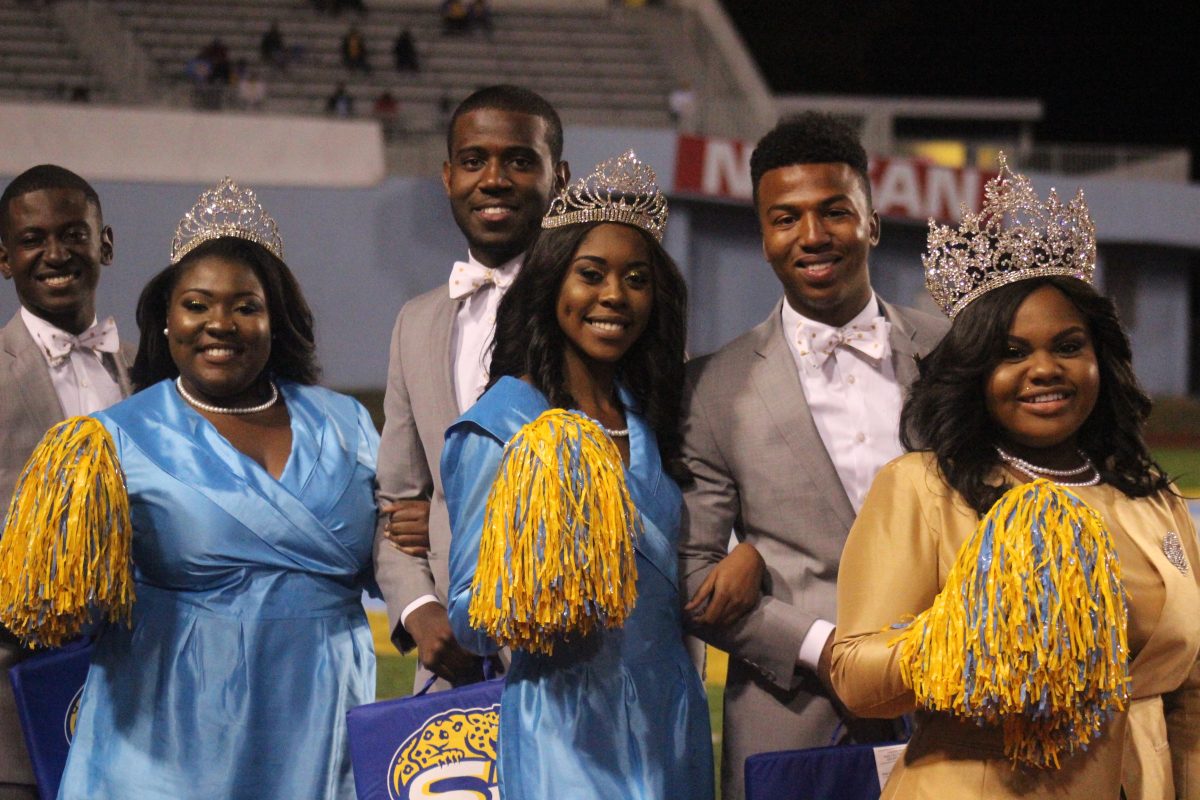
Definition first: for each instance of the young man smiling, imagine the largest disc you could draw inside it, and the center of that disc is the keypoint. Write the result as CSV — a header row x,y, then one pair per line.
x,y
56,359
784,429
504,163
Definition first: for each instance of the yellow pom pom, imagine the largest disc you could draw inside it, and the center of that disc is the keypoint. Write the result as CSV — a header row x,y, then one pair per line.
x,y
67,537
556,557
1029,632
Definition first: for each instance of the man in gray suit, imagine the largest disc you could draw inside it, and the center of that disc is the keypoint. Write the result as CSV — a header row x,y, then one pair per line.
x,y
784,428
504,163
56,360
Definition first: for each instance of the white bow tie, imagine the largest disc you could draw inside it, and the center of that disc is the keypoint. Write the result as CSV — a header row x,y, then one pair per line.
x,y
817,342
467,276
100,338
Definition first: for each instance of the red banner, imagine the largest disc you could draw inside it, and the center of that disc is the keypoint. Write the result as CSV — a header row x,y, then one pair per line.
x,y
904,188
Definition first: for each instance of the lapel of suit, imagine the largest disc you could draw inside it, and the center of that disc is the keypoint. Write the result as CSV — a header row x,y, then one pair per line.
x,y
123,358
904,346
441,344
778,385
30,375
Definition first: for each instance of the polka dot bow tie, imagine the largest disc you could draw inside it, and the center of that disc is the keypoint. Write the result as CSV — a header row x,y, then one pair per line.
x,y
466,277
817,342
100,338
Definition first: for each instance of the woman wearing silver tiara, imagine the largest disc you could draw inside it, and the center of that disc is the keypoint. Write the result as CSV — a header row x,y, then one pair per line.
x,y
250,495
1027,582
594,324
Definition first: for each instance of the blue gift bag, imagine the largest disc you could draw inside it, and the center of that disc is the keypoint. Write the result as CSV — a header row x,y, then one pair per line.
x,y
427,744
844,772
47,687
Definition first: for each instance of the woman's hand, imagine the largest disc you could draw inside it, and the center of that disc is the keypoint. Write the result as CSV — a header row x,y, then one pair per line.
x,y
408,527
731,589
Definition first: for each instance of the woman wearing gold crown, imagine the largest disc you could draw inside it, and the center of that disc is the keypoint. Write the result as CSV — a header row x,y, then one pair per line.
x,y
1027,583
222,519
565,514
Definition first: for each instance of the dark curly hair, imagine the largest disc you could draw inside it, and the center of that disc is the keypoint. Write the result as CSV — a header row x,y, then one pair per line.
x,y
40,178
293,351
809,138
530,342
516,99
945,411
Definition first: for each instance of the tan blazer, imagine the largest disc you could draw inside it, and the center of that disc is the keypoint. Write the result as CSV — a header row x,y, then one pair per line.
x,y
897,556
419,405
762,471
29,406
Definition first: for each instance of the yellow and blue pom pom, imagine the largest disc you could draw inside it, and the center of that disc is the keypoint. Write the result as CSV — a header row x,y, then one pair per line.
x,y
1029,631
556,557
66,548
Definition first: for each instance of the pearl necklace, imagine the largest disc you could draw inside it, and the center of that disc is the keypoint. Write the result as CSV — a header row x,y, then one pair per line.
x,y
1035,472
223,409
616,434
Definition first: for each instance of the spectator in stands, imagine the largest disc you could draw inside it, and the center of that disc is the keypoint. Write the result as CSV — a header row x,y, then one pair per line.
x,y
341,102
272,49
251,88
217,56
682,104
386,109
456,17
354,51
479,17
404,51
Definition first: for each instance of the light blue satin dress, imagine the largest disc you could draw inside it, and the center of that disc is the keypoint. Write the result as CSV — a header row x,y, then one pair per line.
x,y
621,714
249,642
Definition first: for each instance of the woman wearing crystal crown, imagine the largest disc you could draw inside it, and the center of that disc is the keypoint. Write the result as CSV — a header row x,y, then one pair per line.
x,y
565,513
1027,583
222,519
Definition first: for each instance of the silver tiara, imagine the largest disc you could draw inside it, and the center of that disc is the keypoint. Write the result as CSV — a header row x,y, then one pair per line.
x,y
621,189
1014,237
226,210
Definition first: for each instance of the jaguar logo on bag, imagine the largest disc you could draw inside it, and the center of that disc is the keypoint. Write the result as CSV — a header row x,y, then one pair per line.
x,y
451,757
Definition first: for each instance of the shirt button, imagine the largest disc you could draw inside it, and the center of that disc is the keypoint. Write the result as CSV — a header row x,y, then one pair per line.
x,y
84,384
850,379
860,438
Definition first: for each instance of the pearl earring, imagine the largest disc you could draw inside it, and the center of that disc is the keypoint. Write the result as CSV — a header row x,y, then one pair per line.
x,y
165,332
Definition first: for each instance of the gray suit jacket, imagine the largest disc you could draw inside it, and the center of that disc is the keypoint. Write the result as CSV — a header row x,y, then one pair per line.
x,y
419,405
761,470
29,406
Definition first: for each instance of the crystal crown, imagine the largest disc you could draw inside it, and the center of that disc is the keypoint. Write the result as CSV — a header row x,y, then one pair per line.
x,y
1014,237
621,189
226,210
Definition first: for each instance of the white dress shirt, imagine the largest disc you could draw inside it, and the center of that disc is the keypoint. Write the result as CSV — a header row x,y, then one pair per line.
x,y
82,380
474,327
855,402
471,342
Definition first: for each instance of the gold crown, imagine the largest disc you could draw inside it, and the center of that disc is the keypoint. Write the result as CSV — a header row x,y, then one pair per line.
x,y
226,210
1014,237
621,189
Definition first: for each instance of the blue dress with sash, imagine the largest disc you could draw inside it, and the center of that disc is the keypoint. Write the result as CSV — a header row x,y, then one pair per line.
x,y
621,714
249,642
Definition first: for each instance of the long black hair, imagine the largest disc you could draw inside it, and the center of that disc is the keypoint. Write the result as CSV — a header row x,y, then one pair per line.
x,y
530,342
945,411
293,351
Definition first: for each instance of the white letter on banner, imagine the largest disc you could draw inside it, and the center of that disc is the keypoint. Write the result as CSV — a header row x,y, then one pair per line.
x,y
726,170
899,190
945,196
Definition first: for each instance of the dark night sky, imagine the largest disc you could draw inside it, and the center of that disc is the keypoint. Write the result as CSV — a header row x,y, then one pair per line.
x,y
1106,77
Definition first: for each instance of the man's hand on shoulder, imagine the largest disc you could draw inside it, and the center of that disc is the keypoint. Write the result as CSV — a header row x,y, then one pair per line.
x,y
731,589
407,527
437,649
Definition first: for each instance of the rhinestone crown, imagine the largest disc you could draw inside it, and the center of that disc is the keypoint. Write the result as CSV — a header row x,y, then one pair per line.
x,y
227,210
621,189
1014,237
